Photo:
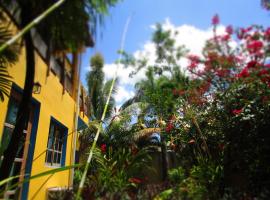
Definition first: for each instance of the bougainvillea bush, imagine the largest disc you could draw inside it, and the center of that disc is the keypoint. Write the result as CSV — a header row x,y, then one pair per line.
x,y
225,113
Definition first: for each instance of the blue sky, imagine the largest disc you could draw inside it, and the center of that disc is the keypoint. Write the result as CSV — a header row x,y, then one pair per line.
x,y
195,14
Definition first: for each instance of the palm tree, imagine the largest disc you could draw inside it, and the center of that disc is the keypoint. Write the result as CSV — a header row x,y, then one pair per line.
x,y
98,89
68,30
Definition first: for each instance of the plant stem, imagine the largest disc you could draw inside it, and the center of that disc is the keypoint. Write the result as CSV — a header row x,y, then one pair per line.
x,y
31,25
102,117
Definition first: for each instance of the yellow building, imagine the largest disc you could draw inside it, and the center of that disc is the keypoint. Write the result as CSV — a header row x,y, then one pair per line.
x,y
55,116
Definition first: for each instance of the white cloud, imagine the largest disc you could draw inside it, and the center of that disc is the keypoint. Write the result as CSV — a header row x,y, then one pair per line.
x,y
123,94
191,37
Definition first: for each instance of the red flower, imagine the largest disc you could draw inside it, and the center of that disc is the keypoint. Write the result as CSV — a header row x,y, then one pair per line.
x,y
192,141
229,30
169,127
267,34
255,46
252,64
215,20
237,111
135,180
243,74
263,72
103,148
194,61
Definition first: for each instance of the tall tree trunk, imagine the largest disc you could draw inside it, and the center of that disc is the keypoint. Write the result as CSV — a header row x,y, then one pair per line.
x,y
24,106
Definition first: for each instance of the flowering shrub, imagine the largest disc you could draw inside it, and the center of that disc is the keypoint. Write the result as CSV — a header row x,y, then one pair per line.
x,y
223,113
243,104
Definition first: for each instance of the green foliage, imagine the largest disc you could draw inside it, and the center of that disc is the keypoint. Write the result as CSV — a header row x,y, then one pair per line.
x,y
195,184
177,175
7,58
73,25
167,194
167,54
99,89
113,171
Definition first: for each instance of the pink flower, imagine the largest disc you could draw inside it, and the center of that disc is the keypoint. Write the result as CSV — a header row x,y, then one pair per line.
x,y
103,148
226,38
237,111
229,30
215,20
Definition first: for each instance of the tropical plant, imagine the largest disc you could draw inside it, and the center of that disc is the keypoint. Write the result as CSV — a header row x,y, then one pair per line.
x,y
162,77
114,172
7,58
98,89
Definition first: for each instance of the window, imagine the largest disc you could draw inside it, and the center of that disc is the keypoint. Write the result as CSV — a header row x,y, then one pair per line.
x,y
56,146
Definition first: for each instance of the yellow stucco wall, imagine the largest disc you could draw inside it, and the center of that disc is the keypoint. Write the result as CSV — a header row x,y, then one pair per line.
x,y
53,103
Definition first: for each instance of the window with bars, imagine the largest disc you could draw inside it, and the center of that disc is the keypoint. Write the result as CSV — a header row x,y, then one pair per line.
x,y
56,146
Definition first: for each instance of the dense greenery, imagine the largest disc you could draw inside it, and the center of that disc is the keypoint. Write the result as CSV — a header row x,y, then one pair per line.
x,y
215,117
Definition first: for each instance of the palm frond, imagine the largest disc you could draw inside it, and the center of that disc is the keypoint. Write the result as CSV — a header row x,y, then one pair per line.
x,y
147,132
7,58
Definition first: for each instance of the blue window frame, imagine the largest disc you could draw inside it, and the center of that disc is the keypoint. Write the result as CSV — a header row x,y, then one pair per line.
x,y
56,145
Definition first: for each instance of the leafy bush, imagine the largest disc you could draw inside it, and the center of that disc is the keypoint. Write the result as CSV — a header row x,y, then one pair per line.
x,y
114,173
177,175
